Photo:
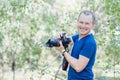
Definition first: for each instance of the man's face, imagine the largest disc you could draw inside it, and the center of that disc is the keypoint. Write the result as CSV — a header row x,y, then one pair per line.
x,y
85,24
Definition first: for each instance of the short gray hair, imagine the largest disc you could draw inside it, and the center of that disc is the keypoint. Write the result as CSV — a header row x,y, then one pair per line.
x,y
87,12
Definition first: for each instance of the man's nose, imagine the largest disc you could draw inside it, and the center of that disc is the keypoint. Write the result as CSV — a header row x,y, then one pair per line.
x,y
82,25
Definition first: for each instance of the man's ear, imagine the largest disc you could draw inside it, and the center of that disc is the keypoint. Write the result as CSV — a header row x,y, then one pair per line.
x,y
94,24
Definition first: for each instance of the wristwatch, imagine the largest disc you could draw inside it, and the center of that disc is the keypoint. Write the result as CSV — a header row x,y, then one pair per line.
x,y
63,52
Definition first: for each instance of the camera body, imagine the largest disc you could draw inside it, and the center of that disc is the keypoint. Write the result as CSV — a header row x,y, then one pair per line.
x,y
56,43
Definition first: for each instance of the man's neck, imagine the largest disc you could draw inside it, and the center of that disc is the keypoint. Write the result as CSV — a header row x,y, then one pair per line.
x,y
82,36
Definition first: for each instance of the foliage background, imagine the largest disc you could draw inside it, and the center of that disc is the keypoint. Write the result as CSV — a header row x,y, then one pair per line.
x,y
25,26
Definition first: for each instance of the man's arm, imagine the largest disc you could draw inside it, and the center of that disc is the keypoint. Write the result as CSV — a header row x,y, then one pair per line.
x,y
77,64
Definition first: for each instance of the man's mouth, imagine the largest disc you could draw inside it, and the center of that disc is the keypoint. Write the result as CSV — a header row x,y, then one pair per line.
x,y
82,29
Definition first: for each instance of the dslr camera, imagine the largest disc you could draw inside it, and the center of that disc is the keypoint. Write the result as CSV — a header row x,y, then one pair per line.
x,y
56,43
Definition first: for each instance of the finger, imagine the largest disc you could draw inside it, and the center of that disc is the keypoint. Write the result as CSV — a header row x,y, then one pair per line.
x,y
57,48
61,43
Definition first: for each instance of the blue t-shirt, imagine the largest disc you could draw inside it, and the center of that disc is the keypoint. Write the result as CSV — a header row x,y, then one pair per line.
x,y
86,46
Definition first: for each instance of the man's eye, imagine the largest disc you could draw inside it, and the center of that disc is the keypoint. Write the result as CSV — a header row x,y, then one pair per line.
x,y
81,22
87,23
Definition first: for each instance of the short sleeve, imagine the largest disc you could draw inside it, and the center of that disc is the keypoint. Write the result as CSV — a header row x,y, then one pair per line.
x,y
74,37
88,50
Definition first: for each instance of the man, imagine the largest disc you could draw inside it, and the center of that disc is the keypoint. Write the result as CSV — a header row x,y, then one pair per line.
x,y
83,54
